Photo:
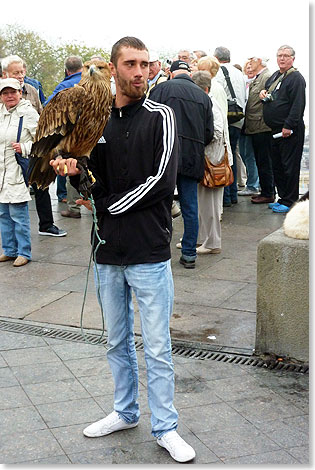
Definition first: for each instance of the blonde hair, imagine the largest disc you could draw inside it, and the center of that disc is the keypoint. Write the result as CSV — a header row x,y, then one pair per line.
x,y
211,64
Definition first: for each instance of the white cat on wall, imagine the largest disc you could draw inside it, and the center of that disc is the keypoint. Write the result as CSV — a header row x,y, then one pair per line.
x,y
296,223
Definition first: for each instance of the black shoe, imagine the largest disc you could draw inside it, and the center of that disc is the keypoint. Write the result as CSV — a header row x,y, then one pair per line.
x,y
53,231
235,201
227,204
187,264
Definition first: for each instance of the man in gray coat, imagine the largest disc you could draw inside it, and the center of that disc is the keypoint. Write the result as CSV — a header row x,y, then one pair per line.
x,y
259,131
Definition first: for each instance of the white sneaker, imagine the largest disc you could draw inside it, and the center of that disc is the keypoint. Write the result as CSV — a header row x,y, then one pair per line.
x,y
248,192
177,447
107,425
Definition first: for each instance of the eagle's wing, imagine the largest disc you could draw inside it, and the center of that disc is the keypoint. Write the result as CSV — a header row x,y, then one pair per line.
x,y
57,119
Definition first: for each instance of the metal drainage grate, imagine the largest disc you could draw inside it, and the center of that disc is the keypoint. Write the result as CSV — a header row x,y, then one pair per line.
x,y
179,348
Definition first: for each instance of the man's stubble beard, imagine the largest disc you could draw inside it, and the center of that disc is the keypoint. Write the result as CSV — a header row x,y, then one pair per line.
x,y
127,89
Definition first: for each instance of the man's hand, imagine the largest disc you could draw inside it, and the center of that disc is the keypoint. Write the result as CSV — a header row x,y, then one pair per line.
x,y
65,166
83,202
262,94
286,133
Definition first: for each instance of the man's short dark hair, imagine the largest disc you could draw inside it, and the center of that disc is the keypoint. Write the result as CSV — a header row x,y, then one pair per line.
x,y
73,64
222,54
127,41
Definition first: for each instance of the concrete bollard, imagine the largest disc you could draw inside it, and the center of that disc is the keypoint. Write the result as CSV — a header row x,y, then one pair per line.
x,y
282,325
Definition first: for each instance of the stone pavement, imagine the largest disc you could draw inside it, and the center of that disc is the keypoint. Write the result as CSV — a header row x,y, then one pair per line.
x,y
50,389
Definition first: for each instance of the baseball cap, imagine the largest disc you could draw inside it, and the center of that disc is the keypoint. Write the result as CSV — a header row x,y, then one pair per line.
x,y
179,65
153,56
9,83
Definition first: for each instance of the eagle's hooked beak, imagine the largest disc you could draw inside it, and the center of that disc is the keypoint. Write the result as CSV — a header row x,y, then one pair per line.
x,y
92,69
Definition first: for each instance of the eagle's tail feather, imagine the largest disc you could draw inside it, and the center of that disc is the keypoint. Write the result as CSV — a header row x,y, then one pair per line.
x,y
39,175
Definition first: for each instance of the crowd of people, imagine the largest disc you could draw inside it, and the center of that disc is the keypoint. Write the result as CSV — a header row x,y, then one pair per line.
x,y
164,123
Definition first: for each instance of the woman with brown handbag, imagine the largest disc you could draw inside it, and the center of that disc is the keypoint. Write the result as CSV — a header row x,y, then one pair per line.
x,y
218,158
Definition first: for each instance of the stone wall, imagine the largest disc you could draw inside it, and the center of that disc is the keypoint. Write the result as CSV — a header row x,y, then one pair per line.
x,y
283,297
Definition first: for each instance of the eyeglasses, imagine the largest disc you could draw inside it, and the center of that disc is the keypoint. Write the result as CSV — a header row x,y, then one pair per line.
x,y
284,56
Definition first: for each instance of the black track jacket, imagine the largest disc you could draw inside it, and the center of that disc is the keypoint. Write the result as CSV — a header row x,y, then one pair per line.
x,y
135,166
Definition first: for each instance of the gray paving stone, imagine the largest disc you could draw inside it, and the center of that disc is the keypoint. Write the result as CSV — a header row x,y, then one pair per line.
x,y
13,397
89,366
280,457
68,351
23,447
98,385
262,409
2,362
37,373
26,356
14,341
221,290
225,327
211,370
285,435
7,378
302,454
53,392
37,274
18,303
67,311
67,413
23,419
237,441
240,387
211,417
244,299
200,393
53,460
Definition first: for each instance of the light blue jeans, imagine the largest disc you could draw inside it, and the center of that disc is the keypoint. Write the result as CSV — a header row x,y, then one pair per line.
x,y
152,285
248,157
15,229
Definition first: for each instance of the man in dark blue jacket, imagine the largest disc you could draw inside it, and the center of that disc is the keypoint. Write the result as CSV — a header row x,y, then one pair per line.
x,y
193,111
73,70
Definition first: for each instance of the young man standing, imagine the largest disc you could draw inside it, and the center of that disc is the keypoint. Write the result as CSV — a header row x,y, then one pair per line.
x,y
135,166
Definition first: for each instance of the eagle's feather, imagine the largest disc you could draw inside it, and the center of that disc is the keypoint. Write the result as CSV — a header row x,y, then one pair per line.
x,y
72,122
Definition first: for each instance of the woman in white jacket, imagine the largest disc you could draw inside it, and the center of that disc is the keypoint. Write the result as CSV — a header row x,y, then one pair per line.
x,y
210,200
14,194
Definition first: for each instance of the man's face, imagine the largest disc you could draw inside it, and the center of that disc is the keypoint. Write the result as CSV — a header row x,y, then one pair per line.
x,y
255,65
154,68
185,56
10,97
284,59
131,73
15,70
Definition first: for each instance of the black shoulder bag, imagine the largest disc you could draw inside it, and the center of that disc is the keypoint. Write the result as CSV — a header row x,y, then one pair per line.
x,y
235,112
22,161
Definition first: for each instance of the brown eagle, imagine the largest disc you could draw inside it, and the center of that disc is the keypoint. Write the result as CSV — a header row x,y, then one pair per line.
x,y
71,123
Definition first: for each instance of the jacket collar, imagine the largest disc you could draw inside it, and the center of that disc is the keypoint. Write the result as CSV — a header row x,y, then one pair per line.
x,y
129,110
183,76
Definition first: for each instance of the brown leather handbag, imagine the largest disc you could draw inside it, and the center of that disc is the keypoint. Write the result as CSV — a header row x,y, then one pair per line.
x,y
218,176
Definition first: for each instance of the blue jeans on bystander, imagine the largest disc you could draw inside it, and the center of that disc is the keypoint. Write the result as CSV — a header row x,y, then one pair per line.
x,y
15,229
188,199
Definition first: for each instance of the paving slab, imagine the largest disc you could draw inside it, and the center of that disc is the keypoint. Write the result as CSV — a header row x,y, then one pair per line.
x,y
236,441
25,446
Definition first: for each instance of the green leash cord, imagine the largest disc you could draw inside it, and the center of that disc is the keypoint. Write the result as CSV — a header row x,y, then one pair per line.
x,y
93,258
